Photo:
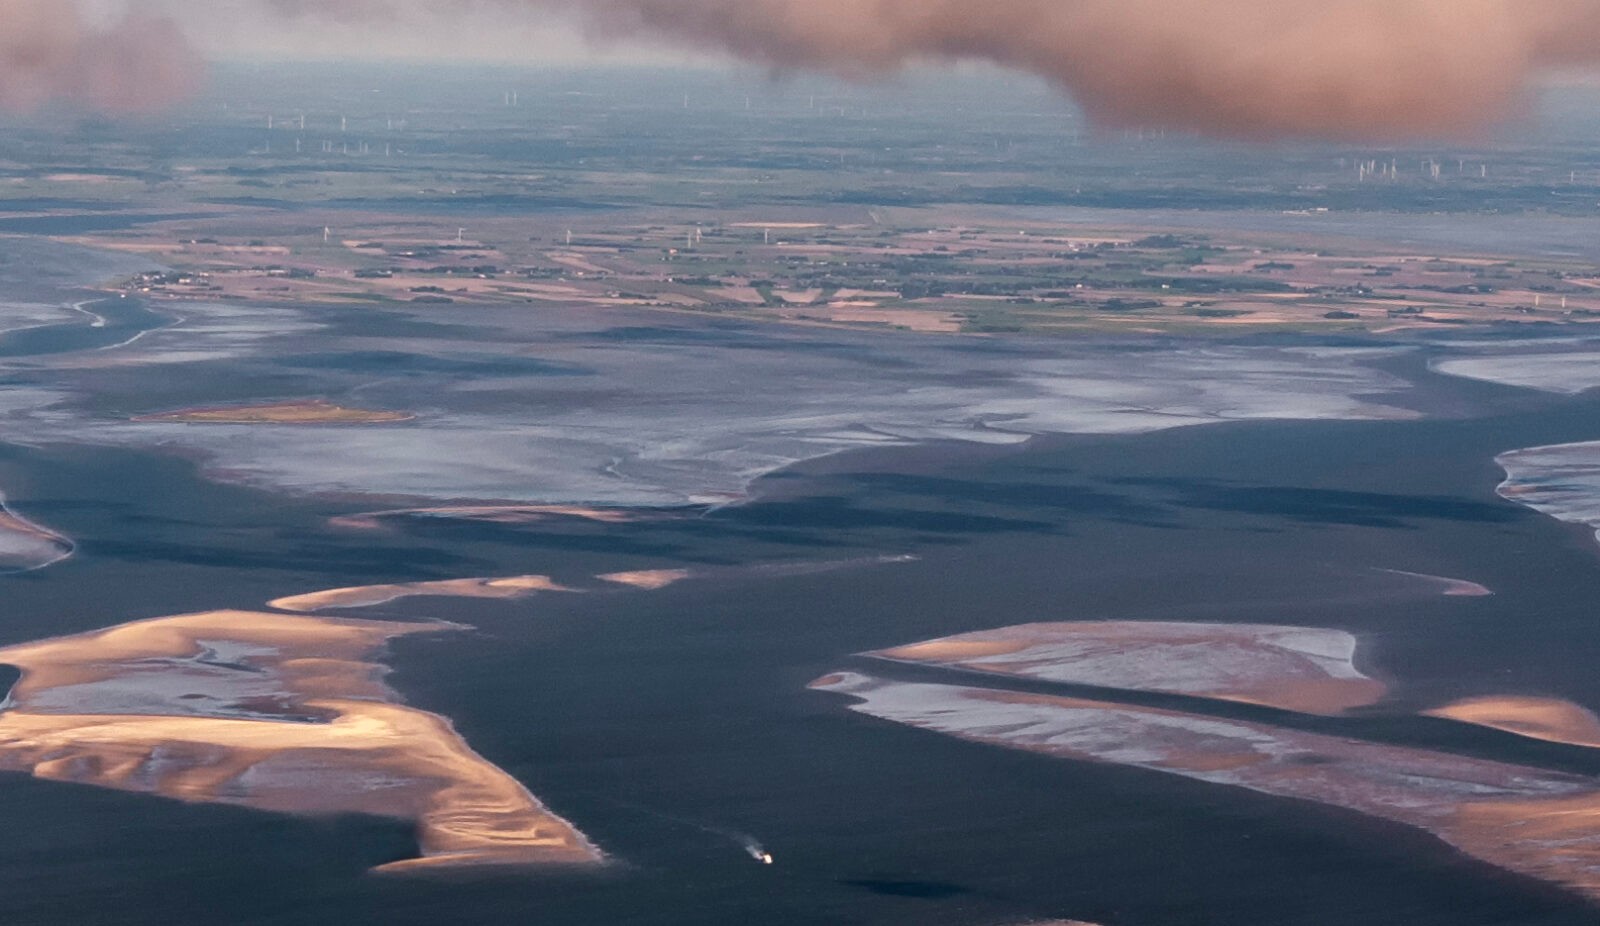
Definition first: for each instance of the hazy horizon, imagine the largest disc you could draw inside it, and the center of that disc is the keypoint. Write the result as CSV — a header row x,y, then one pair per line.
x,y
1329,69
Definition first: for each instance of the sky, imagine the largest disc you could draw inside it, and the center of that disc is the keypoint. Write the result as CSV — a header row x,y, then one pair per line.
x,y
233,30
1255,69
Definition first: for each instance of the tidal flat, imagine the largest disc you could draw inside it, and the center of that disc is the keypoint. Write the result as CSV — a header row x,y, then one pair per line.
x,y
737,534
628,714
570,410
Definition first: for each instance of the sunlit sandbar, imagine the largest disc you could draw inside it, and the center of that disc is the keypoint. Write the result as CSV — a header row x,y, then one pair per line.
x,y
647,579
275,712
367,596
312,411
513,587
1293,668
1527,820
1550,719
1446,586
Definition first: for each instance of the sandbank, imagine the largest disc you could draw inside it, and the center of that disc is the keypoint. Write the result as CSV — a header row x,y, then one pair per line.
x,y
1301,669
647,579
366,596
26,546
272,712
1450,588
1549,719
312,412
1523,819
493,514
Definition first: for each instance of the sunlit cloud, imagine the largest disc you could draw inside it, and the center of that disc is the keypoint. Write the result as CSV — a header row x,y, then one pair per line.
x,y
1239,68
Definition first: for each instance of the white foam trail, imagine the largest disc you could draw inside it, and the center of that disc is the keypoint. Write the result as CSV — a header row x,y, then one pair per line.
x,y
751,845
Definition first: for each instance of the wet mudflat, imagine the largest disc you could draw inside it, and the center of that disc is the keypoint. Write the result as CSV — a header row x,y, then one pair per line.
x,y
668,724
